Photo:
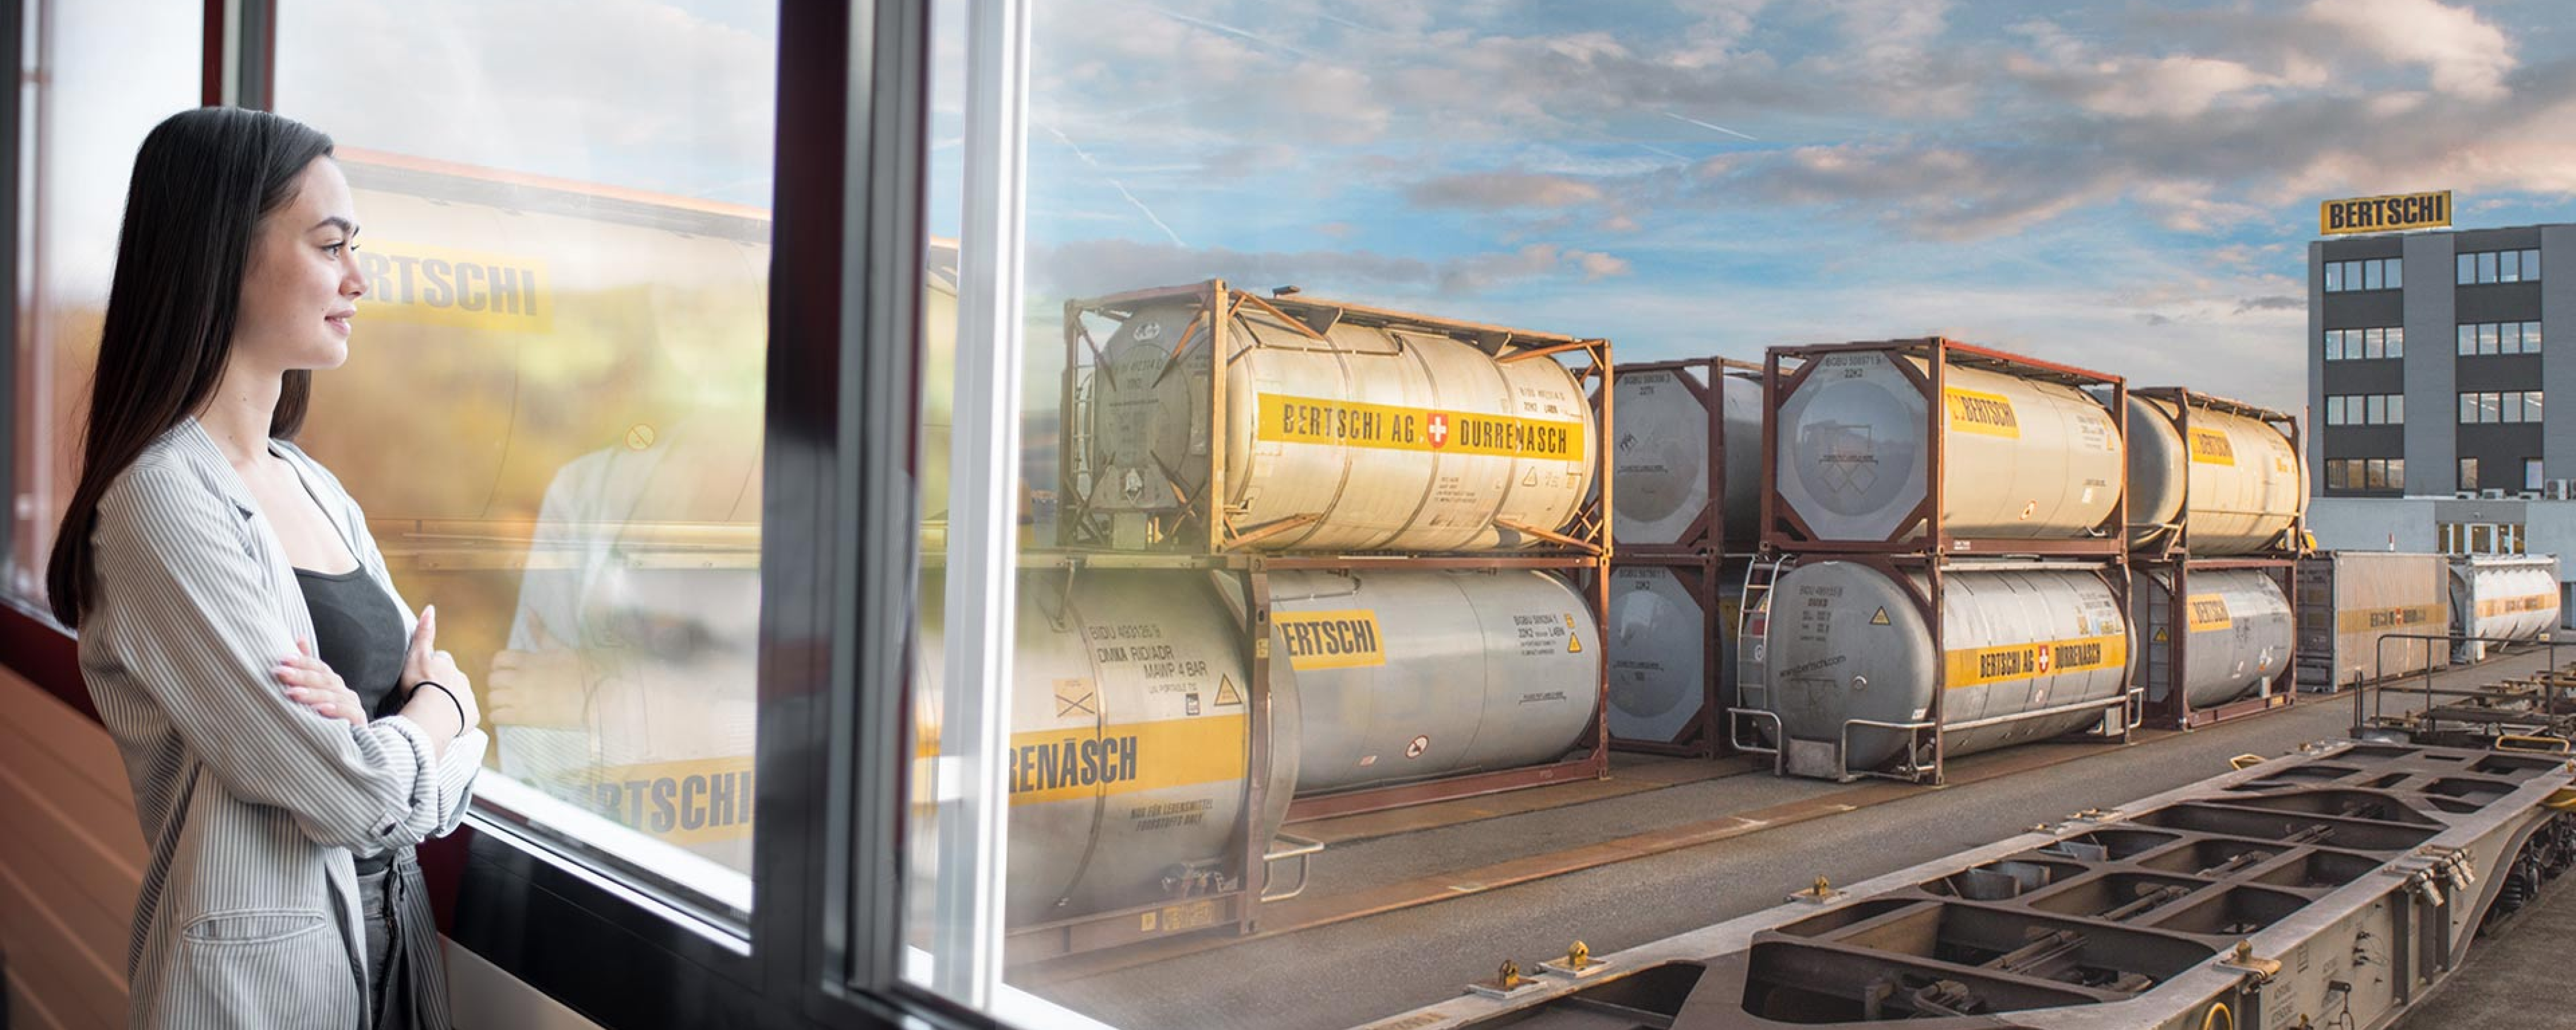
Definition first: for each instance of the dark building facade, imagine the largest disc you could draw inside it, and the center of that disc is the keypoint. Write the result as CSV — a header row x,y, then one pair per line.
x,y
2433,358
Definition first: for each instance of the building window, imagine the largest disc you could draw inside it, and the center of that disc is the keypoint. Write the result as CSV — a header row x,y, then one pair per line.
x,y
2363,344
2480,338
612,582
2373,274
2366,473
2531,473
2499,266
2369,409
2512,406
2468,473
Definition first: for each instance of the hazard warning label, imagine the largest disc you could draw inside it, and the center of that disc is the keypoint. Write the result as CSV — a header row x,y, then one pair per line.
x,y
1541,634
1225,692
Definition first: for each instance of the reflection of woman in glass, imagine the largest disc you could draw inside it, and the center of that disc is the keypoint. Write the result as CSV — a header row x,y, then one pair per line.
x,y
290,729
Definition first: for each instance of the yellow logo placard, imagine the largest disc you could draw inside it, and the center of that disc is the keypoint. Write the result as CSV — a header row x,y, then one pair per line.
x,y
1976,667
1972,411
1332,640
2385,214
692,801
462,289
2515,605
2207,612
2364,619
1061,765
1287,419
2211,447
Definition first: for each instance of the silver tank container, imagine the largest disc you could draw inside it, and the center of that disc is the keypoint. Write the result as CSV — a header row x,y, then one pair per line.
x,y
2349,601
1662,460
2247,483
2240,634
1392,440
2513,597
1129,737
1844,642
1411,675
2023,459
1659,635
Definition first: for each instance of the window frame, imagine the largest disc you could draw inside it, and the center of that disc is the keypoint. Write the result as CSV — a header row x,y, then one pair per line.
x,y
852,101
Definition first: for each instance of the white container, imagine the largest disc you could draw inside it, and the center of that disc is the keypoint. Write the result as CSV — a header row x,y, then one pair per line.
x,y
2022,458
2248,484
1844,642
1383,439
1662,458
2510,597
2239,634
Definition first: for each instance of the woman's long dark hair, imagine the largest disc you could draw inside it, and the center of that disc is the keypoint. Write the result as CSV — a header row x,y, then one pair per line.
x,y
202,181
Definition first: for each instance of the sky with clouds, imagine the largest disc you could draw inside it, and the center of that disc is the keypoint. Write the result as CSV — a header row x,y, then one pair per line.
x,y
2126,185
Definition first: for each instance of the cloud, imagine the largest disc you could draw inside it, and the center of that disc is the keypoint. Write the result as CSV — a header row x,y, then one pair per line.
x,y
1492,190
2275,302
2465,55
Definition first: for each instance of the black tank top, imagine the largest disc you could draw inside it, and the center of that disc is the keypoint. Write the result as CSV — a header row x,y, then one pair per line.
x,y
358,632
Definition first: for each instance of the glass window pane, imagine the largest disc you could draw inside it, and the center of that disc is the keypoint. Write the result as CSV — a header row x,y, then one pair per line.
x,y
2468,269
2397,473
2490,407
2374,344
2511,407
2371,272
2487,337
2468,338
2530,475
2487,267
2377,410
2334,345
2468,408
2531,337
2509,267
2376,474
2481,539
2396,342
2468,473
2396,408
2531,405
574,267
2531,264
2334,411
2396,273
104,85
2334,277
2509,338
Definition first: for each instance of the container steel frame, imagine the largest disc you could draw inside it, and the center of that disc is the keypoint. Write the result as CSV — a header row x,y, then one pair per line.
x,y
1202,526
1707,533
2172,553
1697,557
1785,538
1704,575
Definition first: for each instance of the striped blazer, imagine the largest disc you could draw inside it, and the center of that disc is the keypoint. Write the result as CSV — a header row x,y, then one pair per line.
x,y
253,805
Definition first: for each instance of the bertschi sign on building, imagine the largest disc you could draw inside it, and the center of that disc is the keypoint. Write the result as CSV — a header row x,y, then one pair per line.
x,y
2385,214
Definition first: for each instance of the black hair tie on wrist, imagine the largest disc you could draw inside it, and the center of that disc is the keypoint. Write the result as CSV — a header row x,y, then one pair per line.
x,y
416,688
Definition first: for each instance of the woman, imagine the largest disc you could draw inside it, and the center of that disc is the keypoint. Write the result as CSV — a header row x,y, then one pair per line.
x,y
290,729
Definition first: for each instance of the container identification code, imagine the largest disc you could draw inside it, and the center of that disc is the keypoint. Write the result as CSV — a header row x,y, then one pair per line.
x,y
1976,667
1972,411
1287,419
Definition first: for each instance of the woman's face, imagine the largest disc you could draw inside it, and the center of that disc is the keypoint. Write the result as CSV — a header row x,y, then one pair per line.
x,y
302,284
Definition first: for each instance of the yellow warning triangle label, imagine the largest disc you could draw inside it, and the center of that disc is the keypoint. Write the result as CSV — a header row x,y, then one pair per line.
x,y
1531,479
1225,692
1879,619
2160,634
1573,645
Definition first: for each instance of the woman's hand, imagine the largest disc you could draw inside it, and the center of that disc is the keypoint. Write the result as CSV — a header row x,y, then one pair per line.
x,y
426,662
313,685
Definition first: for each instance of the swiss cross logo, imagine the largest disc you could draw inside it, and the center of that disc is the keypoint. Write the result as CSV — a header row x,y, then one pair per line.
x,y
2042,662
1438,429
